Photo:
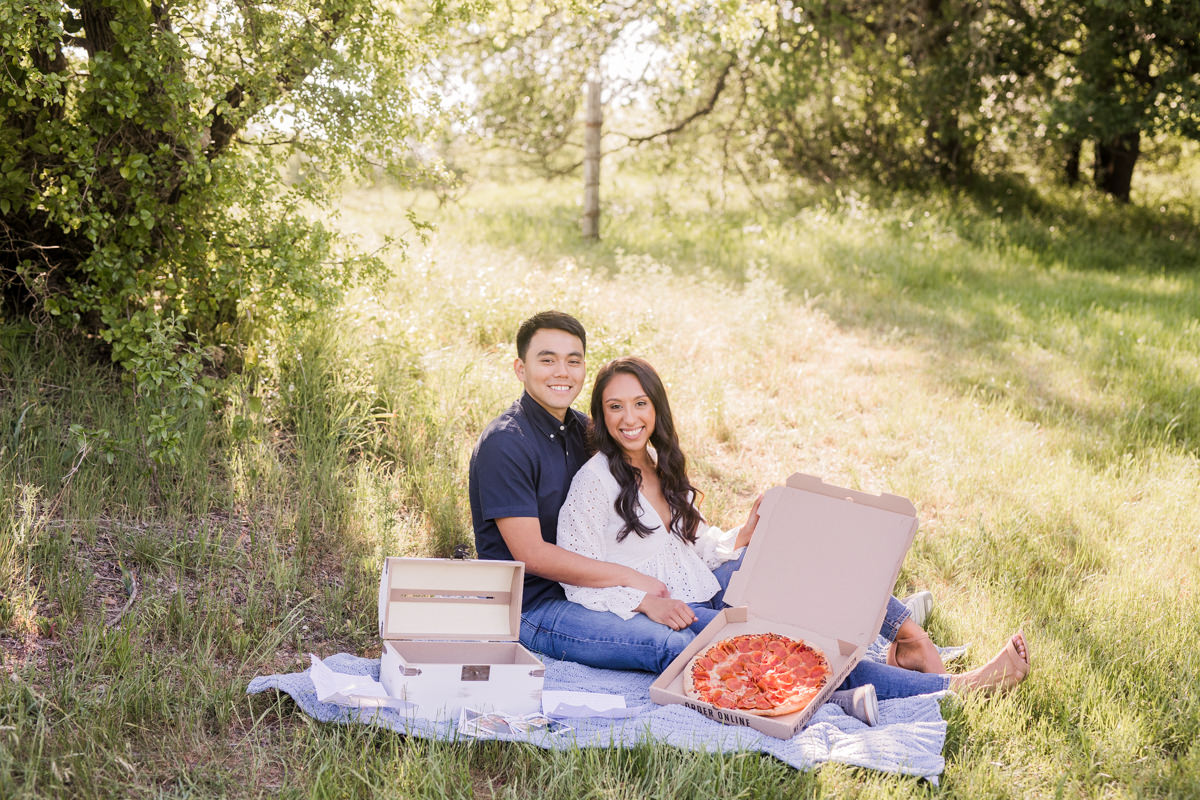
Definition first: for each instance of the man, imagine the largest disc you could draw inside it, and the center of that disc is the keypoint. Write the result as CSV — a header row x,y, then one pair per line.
x,y
520,472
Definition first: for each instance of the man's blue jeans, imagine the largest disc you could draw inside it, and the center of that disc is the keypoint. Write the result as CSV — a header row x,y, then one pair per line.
x,y
893,618
565,630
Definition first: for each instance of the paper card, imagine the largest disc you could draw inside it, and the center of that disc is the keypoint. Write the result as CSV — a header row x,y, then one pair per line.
x,y
479,724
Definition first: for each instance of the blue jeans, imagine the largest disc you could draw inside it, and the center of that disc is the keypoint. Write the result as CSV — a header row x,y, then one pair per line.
x,y
565,630
710,608
892,682
893,618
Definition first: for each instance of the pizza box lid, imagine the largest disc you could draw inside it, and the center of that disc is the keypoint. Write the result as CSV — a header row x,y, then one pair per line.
x,y
824,558
450,599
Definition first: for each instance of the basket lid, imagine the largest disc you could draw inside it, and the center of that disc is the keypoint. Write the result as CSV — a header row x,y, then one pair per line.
x,y
824,558
450,599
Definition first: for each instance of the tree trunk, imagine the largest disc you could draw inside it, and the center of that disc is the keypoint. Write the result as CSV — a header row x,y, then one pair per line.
x,y
1115,158
1071,165
591,162
947,147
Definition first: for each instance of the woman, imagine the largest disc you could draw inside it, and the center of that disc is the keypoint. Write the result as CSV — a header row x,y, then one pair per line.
x,y
627,418
633,504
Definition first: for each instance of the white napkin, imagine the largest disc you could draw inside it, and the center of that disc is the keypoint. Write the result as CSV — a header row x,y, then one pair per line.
x,y
356,691
567,704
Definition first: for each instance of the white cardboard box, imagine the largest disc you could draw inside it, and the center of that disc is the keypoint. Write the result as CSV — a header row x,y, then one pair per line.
x,y
821,567
450,631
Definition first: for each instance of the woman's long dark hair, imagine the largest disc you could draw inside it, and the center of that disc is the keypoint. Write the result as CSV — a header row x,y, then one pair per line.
x,y
672,466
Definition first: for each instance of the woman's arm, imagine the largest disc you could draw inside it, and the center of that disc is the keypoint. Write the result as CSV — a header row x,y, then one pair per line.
x,y
583,530
746,532
715,546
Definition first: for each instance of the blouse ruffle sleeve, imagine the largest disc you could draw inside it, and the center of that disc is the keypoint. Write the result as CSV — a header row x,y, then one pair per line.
x,y
715,546
582,530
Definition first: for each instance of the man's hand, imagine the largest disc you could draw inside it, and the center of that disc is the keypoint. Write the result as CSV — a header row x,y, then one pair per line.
x,y
675,614
747,530
653,587
523,535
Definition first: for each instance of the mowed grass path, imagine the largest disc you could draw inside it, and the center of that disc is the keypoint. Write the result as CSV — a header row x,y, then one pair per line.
x,y
1026,375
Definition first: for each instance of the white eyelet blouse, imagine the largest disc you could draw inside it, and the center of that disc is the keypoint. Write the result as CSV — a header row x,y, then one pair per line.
x,y
588,524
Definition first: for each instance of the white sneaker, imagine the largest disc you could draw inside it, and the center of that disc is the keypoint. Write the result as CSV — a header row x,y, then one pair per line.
x,y
860,703
919,605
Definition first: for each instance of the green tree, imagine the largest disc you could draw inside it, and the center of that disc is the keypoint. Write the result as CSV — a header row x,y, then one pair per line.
x,y
849,87
142,192
906,90
525,67
1129,70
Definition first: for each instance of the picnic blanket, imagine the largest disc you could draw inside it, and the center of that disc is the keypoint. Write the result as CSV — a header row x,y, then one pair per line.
x,y
908,739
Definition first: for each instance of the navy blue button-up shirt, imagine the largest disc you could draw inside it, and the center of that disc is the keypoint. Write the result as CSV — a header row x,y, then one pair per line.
x,y
522,466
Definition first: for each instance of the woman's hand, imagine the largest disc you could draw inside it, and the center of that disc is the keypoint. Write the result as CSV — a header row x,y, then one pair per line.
x,y
675,614
747,530
651,586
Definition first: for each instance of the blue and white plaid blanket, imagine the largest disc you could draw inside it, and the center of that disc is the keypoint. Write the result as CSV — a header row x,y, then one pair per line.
x,y
908,739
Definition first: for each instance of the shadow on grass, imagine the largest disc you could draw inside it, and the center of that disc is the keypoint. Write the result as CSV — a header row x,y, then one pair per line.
x,y
1078,312
1080,232
1112,359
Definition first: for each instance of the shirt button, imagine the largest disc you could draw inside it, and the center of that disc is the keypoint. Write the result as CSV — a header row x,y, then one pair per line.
x,y
552,436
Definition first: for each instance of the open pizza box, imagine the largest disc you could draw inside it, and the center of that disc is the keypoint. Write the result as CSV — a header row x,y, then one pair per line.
x,y
450,631
821,567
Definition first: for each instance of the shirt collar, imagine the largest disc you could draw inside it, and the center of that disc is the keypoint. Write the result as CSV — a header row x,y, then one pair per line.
x,y
544,421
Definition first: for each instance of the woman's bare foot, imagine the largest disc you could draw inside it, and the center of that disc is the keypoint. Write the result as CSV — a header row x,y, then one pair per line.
x,y
913,649
1006,670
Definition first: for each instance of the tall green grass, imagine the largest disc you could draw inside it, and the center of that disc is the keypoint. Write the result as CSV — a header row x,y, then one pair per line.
x,y
1022,365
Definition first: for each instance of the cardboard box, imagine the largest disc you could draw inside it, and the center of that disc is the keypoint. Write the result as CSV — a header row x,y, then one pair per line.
x,y
450,631
821,567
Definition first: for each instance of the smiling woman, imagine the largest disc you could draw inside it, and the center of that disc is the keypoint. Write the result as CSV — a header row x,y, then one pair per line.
x,y
629,415
632,402
637,483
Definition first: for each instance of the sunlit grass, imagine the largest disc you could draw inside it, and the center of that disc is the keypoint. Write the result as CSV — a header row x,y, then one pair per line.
x,y
1027,376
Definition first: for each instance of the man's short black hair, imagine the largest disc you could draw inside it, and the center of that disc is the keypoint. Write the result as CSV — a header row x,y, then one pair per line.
x,y
553,320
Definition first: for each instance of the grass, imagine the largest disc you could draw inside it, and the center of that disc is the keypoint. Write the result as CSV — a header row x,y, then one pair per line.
x,y
1027,375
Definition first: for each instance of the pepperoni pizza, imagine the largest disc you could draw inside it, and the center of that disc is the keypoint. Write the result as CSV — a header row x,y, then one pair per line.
x,y
764,674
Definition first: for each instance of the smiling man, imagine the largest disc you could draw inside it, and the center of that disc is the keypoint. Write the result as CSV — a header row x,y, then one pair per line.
x,y
520,472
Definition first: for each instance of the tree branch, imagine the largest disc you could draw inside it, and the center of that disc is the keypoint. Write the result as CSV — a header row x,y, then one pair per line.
x,y
224,125
689,119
